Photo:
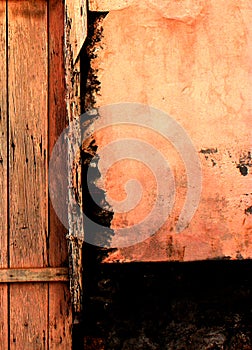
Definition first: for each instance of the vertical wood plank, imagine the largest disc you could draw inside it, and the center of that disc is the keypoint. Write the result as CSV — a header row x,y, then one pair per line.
x,y
73,31
60,317
3,178
28,88
28,132
57,119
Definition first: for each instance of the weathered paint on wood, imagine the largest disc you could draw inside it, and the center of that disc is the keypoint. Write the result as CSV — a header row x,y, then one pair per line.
x,y
60,315
34,275
3,178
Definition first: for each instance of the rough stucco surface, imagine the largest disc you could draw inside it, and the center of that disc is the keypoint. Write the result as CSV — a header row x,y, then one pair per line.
x,y
191,59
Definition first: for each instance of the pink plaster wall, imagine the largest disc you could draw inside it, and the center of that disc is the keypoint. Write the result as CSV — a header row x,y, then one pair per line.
x,y
192,60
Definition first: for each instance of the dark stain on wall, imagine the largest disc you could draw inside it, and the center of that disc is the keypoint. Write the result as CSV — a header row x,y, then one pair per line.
x,y
248,210
245,162
203,305
243,169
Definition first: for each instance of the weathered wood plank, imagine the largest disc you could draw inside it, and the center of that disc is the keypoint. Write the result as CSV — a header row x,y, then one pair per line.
x,y
28,81
28,316
77,11
57,121
3,140
34,275
60,316
4,316
3,178
76,225
28,133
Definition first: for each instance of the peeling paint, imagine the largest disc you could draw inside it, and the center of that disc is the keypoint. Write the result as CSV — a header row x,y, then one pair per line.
x,y
209,150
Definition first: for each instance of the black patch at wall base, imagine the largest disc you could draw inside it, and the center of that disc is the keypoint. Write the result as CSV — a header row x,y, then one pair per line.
x,y
174,306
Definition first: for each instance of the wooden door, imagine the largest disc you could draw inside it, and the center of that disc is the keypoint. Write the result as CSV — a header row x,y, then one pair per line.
x,y
35,314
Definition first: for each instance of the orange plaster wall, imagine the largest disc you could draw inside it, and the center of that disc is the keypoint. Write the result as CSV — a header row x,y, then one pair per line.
x,y
191,59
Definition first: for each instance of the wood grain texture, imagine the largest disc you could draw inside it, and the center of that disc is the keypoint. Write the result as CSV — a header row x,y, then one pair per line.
x,y
28,133
28,316
60,317
34,275
57,121
28,81
3,139
3,178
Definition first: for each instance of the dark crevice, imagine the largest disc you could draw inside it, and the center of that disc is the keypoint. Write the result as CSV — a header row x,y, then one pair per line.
x,y
90,85
97,210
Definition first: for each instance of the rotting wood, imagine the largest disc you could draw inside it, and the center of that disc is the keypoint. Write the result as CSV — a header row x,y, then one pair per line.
x,y
34,275
74,38
3,178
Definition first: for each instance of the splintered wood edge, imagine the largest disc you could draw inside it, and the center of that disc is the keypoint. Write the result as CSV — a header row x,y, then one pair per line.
x,y
76,12
47,274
